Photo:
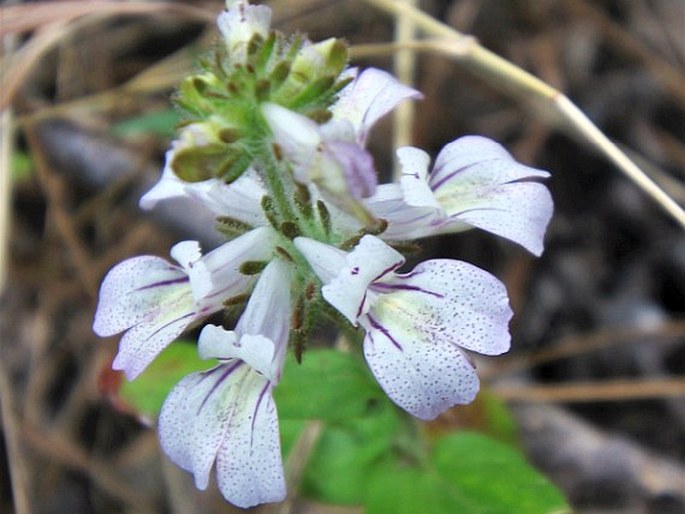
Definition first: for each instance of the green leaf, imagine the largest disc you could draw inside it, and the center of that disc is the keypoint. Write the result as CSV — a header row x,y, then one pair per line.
x,y
329,385
489,477
468,473
147,392
394,489
347,454
361,423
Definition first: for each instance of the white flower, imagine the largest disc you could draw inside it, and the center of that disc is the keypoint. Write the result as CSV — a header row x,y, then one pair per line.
x,y
227,414
240,23
371,95
332,155
240,200
155,301
475,183
417,324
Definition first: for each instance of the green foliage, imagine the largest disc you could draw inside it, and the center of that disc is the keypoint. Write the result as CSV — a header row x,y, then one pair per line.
x,y
369,453
493,477
366,455
328,385
351,451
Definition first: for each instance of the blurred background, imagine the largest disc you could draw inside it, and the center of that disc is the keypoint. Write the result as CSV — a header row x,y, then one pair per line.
x,y
596,377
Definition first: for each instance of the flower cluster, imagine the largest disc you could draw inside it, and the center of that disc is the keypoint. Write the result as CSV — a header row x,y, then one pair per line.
x,y
274,145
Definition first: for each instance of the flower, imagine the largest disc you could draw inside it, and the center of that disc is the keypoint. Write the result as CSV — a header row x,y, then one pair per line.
x,y
155,301
227,414
239,200
372,94
418,324
475,183
332,155
240,23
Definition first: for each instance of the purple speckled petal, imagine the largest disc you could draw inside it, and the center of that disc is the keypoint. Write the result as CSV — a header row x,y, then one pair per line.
x,y
476,181
134,288
370,260
418,326
142,343
425,378
226,415
249,467
373,94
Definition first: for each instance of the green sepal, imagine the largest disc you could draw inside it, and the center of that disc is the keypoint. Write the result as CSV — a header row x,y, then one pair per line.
x,y
198,163
231,227
234,166
312,93
252,267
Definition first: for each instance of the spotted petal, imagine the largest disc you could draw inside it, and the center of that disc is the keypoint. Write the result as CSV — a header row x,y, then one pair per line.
x,y
476,181
226,415
150,297
418,326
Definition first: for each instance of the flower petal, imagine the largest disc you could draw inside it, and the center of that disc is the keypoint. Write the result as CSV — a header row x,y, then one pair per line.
x,y
249,467
373,94
240,23
359,175
217,275
141,344
133,289
476,181
418,324
404,221
346,276
298,137
240,200
325,260
370,260
422,376
226,414
255,350
269,309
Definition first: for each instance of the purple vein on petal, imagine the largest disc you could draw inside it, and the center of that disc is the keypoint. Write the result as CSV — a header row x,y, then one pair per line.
x,y
408,288
475,209
387,270
385,332
189,315
452,174
224,376
361,306
163,283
